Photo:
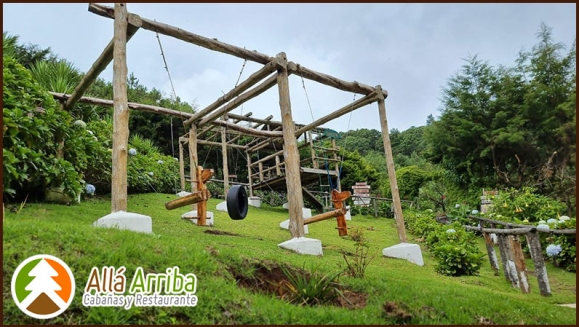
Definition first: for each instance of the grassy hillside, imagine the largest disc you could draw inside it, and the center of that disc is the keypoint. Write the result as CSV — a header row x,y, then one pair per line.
x,y
393,291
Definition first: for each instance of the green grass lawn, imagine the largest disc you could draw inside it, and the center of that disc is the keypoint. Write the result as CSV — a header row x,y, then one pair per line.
x,y
429,298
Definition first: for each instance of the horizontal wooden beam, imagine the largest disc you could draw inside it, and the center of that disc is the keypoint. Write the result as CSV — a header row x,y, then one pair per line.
x,y
132,105
211,44
97,67
248,131
510,231
264,159
325,79
249,82
263,143
212,127
244,97
219,143
266,121
253,126
338,113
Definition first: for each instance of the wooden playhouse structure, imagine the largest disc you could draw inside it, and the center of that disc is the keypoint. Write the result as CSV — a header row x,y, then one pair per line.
x,y
281,168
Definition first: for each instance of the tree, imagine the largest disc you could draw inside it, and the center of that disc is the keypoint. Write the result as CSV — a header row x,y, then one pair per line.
x,y
510,126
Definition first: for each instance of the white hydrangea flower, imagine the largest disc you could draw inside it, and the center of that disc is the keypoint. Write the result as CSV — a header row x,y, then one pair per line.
x,y
564,218
79,123
132,152
543,227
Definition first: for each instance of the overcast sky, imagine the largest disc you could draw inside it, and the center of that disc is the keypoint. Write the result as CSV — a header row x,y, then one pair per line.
x,y
409,49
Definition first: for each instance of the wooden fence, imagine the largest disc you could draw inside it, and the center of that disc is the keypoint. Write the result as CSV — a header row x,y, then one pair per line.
x,y
511,252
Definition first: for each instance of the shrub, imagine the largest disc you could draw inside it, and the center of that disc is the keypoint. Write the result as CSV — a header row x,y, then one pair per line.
x,y
360,260
455,249
32,123
567,256
147,170
524,206
456,260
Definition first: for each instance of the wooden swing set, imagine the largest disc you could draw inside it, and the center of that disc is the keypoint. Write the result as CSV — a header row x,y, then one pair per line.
x,y
280,169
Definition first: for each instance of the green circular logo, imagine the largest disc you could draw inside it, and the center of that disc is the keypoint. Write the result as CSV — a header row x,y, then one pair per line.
x,y
43,286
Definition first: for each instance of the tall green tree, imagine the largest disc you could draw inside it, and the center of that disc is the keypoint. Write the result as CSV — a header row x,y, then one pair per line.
x,y
511,126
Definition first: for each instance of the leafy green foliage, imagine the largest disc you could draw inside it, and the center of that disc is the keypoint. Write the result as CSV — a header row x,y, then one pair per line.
x,y
454,248
524,206
311,288
56,76
32,120
26,54
356,267
356,169
567,258
410,180
511,127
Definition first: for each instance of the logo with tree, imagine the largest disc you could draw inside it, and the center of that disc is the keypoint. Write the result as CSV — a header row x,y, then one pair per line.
x,y
43,286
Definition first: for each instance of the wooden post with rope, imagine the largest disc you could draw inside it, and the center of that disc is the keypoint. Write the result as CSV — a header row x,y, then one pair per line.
x,y
181,166
225,160
193,159
291,153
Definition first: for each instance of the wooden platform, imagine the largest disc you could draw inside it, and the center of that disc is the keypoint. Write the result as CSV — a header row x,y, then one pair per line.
x,y
307,175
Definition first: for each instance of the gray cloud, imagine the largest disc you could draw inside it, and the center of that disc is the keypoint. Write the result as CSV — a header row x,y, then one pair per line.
x,y
409,49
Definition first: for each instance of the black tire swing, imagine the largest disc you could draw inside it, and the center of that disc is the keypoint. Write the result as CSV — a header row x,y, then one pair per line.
x,y
237,202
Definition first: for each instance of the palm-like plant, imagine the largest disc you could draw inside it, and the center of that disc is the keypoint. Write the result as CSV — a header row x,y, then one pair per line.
x,y
59,76
9,43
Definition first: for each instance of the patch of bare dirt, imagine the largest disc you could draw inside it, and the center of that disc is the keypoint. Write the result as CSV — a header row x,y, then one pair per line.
x,y
267,277
219,232
396,311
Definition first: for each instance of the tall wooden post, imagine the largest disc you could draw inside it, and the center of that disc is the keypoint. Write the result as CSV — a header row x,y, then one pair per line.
x,y
335,148
249,172
193,160
291,153
521,268
225,161
390,164
121,111
181,166
313,150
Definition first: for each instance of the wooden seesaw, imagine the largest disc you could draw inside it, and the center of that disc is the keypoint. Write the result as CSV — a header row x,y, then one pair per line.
x,y
339,211
237,203
236,199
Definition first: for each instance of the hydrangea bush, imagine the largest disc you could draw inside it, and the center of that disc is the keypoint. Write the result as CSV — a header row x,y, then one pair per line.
x,y
454,248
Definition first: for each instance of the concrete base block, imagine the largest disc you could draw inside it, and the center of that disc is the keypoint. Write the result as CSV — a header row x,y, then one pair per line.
x,y
183,193
286,205
254,201
126,220
348,216
222,206
303,245
192,217
407,251
307,213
